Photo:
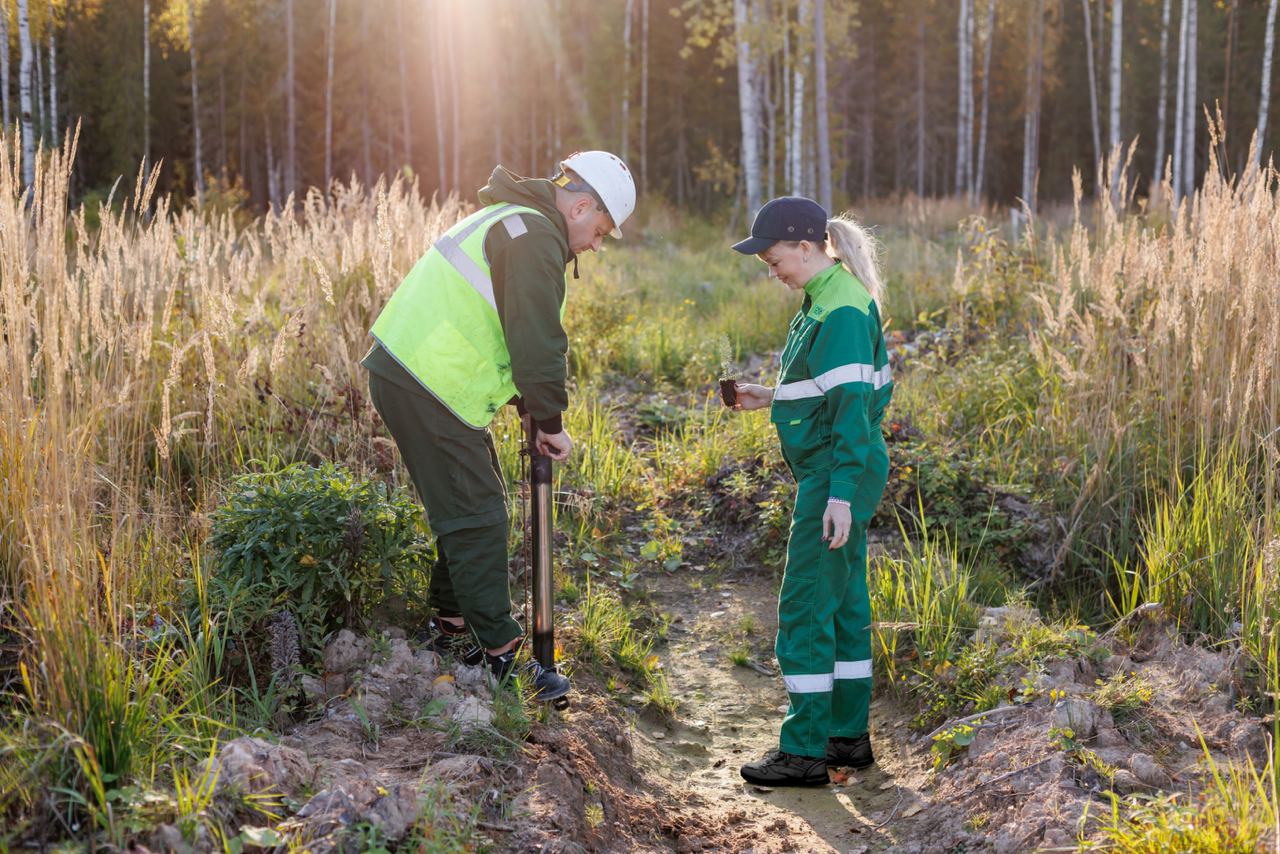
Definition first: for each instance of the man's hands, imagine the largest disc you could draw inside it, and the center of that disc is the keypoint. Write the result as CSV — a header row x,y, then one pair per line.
x,y
752,396
836,522
557,445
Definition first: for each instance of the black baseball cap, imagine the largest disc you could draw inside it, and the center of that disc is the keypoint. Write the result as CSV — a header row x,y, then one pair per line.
x,y
785,218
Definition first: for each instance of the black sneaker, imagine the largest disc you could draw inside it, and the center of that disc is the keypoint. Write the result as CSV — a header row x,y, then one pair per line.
x,y
547,684
850,752
779,768
451,642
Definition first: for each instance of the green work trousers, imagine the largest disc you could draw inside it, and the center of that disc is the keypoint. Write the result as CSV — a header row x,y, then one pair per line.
x,y
824,627
455,470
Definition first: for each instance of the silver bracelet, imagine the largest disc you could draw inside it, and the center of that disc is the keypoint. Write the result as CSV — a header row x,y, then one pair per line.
x,y
838,501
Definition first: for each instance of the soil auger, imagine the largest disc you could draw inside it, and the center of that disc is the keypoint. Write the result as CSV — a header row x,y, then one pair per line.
x,y
539,536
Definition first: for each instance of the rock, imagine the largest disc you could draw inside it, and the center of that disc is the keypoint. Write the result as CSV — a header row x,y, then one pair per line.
x,y
428,663
473,712
1110,737
1080,716
1126,783
455,768
996,624
395,812
313,688
346,652
689,844
473,679
555,798
444,691
251,766
1149,772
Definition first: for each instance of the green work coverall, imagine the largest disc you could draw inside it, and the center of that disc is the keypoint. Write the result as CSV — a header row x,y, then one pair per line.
x,y
832,391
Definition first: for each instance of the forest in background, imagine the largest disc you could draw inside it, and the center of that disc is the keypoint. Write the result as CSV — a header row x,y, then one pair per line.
x,y
711,102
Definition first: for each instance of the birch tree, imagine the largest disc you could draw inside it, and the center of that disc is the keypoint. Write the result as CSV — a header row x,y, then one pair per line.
x,y
455,122
820,96
1117,29
4,61
195,99
979,185
437,92
1093,83
644,94
53,78
920,108
1193,108
24,95
626,75
1031,117
1264,100
1162,108
1180,106
406,131
964,105
146,85
748,104
796,144
332,38
291,108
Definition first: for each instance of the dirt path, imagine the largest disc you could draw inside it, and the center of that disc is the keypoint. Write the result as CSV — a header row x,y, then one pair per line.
x,y
729,714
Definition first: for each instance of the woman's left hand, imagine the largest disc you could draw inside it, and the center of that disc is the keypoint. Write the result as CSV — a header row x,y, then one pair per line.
x,y
836,522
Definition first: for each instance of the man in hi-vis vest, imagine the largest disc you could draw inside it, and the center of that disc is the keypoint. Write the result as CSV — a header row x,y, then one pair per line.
x,y
476,325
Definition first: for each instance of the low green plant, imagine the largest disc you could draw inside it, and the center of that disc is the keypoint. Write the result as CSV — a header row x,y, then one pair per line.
x,y
312,542
1124,695
949,743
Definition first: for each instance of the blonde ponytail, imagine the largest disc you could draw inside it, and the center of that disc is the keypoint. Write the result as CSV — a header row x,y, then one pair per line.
x,y
855,247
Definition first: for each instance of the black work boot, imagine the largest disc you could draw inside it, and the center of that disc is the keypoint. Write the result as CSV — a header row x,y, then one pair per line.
x,y
779,768
547,684
850,752
452,642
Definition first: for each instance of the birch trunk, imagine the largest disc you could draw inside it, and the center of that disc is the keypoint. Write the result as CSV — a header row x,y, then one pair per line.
x,y
195,100
332,38
24,95
53,81
455,112
962,55
1193,108
820,100
627,15
748,106
1264,100
1031,119
37,71
291,155
644,95
979,185
920,109
366,132
146,85
1162,109
1117,29
406,130
1180,107
4,61
1093,84
273,170
769,95
437,92
797,107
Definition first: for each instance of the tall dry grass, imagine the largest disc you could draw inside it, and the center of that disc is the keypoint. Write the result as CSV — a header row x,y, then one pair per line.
x,y
1162,334
135,359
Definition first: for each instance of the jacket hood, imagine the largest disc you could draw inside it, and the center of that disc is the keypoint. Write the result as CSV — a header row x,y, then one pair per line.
x,y
537,193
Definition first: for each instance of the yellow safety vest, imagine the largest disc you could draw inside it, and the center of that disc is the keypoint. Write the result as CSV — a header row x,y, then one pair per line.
x,y
442,323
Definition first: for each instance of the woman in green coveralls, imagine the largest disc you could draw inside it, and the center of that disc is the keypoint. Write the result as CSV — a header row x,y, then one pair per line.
x,y
832,391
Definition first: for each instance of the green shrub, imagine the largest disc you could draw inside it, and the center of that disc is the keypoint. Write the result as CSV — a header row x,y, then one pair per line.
x,y
310,546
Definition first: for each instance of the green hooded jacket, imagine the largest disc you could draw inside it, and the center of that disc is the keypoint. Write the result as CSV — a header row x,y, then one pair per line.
x,y
529,289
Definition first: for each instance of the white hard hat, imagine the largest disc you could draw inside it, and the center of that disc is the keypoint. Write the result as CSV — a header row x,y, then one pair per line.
x,y
610,178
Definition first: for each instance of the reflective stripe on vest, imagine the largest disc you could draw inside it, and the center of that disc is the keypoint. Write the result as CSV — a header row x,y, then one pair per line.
x,y
441,323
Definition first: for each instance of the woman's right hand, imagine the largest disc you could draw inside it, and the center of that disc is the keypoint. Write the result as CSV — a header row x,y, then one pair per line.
x,y
752,396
